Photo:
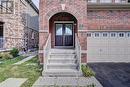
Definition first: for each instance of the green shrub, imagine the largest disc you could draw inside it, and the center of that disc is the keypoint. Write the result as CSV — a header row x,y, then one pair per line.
x,y
92,85
87,72
14,52
6,55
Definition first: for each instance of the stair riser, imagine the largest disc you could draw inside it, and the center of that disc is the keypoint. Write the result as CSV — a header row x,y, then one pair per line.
x,y
63,51
62,61
60,75
61,67
62,56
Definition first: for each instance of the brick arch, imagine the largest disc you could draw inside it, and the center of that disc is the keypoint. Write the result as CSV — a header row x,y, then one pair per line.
x,y
52,11
69,9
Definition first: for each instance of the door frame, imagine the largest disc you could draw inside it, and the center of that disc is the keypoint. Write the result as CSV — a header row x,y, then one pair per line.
x,y
65,22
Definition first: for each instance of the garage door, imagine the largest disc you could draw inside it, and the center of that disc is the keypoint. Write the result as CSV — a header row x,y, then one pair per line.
x,y
108,46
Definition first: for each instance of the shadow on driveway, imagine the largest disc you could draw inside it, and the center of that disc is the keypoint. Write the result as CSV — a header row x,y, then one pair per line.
x,y
112,74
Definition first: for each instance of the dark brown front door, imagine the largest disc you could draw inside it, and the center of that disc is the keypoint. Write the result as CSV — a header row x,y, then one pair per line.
x,y
64,34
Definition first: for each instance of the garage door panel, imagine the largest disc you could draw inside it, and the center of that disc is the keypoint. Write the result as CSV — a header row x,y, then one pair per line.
x,y
109,49
96,51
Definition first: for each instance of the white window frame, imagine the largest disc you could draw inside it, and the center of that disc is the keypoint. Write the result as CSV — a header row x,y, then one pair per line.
x,y
105,1
121,1
89,34
114,34
121,33
105,34
92,1
98,34
128,34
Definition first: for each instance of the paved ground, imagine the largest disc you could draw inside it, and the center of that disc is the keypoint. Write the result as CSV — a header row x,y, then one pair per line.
x,y
30,56
66,82
29,53
112,74
24,60
13,82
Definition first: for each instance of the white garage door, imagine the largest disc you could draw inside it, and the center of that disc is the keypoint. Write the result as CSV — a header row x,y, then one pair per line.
x,y
108,46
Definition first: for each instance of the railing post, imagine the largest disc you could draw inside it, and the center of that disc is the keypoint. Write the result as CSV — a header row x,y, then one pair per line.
x,y
47,48
78,51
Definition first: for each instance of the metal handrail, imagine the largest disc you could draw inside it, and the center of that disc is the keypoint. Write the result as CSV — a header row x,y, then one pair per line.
x,y
47,49
78,51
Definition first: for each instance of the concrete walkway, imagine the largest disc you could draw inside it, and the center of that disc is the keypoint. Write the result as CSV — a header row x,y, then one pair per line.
x,y
13,82
24,60
29,53
66,81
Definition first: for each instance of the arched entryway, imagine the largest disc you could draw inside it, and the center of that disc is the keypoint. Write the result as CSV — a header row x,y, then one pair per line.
x,y
63,27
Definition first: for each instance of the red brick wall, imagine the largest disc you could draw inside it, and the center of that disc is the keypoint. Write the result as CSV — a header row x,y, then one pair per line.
x,y
91,20
108,20
48,8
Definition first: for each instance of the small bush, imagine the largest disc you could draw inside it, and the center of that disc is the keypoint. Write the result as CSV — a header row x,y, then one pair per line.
x,y
92,85
6,56
87,72
14,52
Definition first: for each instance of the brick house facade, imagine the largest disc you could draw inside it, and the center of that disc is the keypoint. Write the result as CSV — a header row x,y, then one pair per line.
x,y
99,24
19,24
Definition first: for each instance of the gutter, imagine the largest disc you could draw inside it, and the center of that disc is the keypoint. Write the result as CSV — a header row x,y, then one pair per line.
x,y
33,5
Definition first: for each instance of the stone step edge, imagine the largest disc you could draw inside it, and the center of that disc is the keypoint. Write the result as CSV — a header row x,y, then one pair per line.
x,y
62,59
58,54
89,81
61,64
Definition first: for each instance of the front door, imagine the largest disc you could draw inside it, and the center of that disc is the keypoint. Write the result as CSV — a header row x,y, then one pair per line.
x,y
64,34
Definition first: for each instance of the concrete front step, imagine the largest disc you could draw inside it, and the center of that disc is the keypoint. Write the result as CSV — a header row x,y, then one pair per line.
x,y
67,82
62,60
57,55
64,51
62,73
61,66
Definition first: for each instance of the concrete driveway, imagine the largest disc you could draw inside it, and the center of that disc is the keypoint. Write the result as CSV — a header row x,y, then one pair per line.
x,y
112,74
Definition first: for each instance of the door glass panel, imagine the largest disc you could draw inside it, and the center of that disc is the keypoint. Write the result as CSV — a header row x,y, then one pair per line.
x,y
59,29
68,29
